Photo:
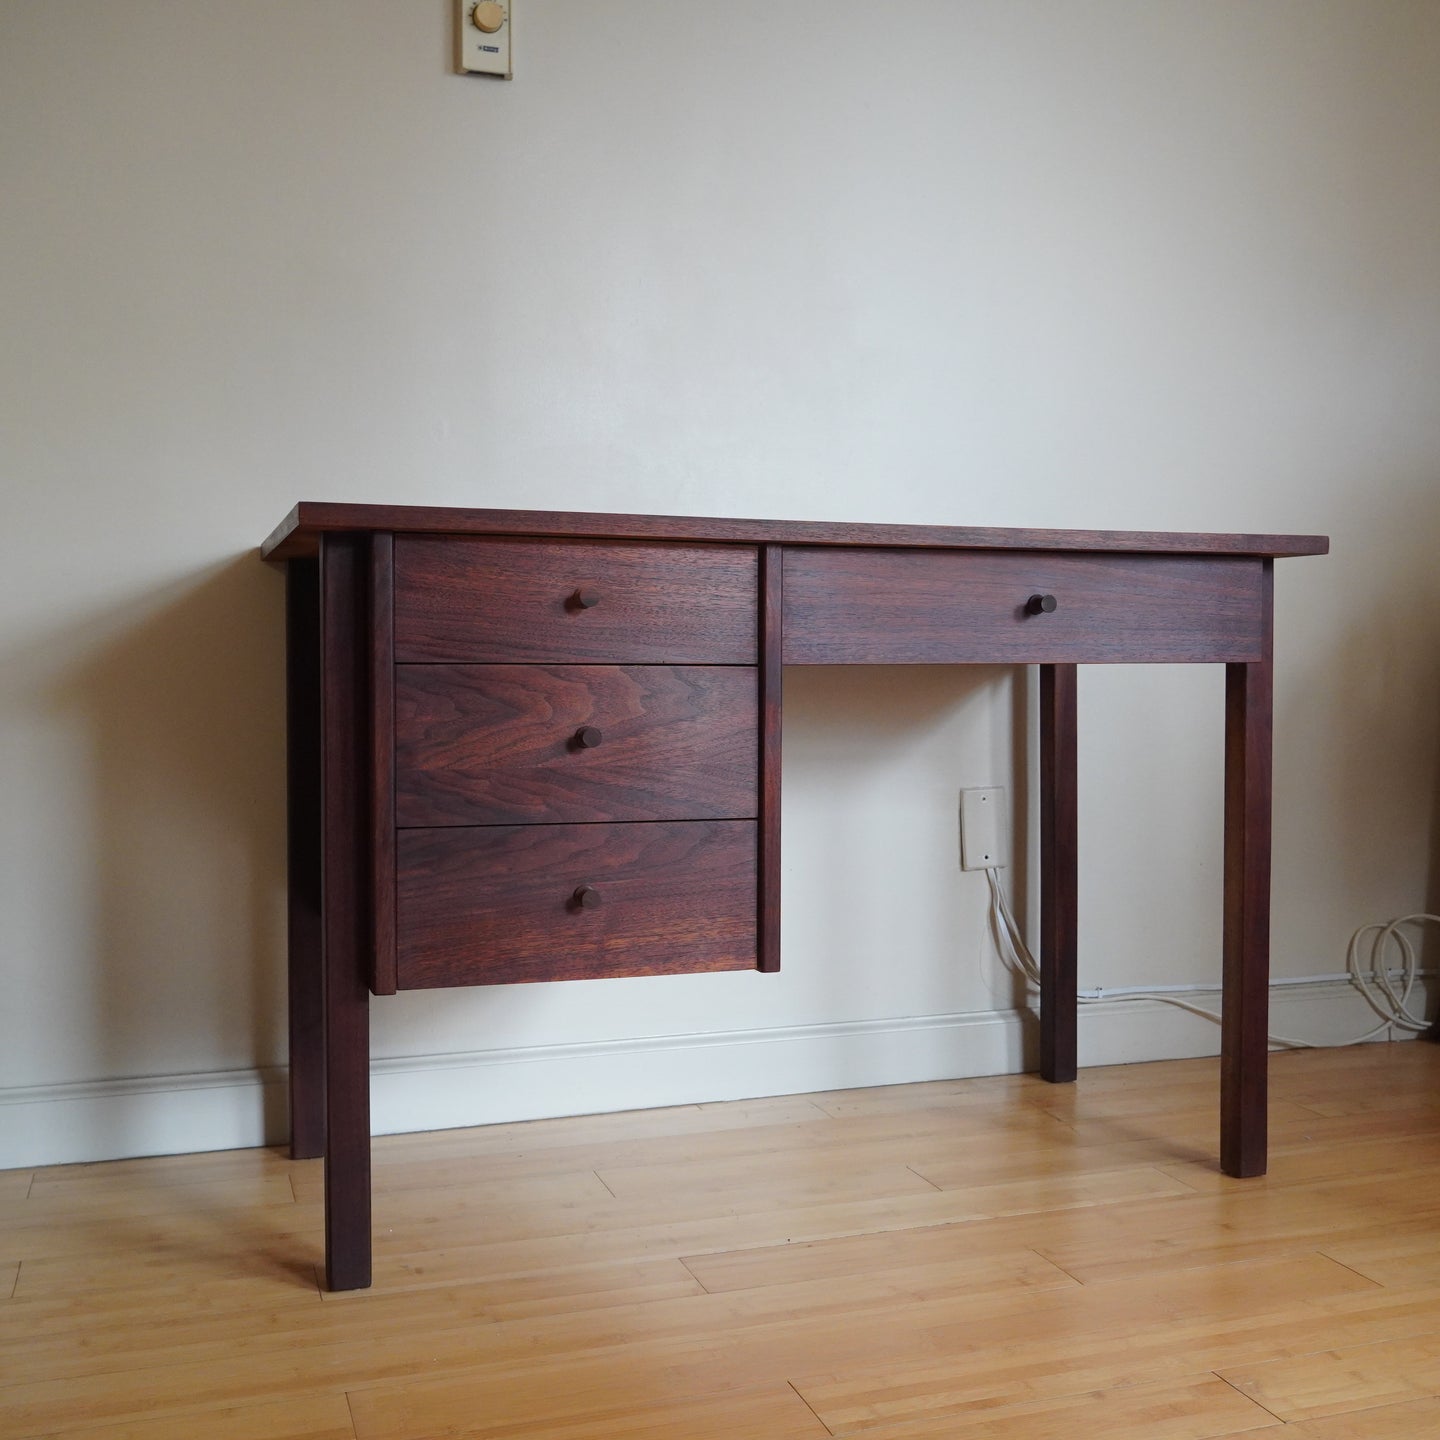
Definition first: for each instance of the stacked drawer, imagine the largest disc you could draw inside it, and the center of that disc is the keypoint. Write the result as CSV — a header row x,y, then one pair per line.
x,y
575,761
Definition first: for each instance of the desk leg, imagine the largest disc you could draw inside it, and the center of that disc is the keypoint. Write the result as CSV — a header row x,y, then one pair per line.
x,y
1244,1049
1058,872
344,831
302,733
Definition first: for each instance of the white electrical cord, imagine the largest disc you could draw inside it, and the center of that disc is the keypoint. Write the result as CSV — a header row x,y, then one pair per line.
x,y
1388,1001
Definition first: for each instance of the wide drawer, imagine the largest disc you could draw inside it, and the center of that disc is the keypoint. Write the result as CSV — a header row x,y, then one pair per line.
x,y
958,606
502,904
516,744
574,601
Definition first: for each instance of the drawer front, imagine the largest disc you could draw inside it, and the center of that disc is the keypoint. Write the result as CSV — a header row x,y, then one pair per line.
x,y
503,904
901,607
574,602
518,744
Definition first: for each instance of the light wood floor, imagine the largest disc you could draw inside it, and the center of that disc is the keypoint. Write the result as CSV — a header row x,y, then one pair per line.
x,y
968,1259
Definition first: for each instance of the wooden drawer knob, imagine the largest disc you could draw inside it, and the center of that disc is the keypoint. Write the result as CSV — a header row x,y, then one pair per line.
x,y
586,897
585,598
1041,605
587,737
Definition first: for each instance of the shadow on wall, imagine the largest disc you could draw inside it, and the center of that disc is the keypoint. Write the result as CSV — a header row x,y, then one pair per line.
x,y
1372,701
183,711
875,757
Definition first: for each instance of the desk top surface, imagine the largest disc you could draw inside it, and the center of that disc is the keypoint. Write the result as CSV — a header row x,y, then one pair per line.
x,y
298,534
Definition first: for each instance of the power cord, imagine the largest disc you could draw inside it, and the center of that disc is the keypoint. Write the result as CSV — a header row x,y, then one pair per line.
x,y
1388,999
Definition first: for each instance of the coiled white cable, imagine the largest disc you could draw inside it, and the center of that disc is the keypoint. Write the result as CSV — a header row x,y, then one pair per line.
x,y
1389,1000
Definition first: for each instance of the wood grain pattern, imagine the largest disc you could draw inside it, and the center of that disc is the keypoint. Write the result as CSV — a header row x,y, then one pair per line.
x,y
507,601
300,530
494,905
1306,1387
306,980
567,1311
772,683
495,744
898,607
382,753
345,906
478,590
1245,1003
1059,872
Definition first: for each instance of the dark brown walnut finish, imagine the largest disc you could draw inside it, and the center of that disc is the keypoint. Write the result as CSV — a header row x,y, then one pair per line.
x,y
521,601
772,563
530,746
955,607
498,904
1059,872
304,812
345,788
547,744
1245,1004
299,532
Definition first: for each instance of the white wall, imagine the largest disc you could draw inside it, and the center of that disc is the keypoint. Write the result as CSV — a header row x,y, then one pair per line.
x,y
1127,263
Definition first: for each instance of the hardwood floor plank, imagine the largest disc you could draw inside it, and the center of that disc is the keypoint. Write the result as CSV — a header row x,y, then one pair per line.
x,y
1334,1381
774,1412
210,1167
1222,1228
1200,1408
894,1137
1088,1271
984,1091
47,1204
548,1292
1392,1157
856,1254
1049,1363
672,1123
15,1184
1408,1421
177,1274
567,1187
1401,1262
839,1334
325,1417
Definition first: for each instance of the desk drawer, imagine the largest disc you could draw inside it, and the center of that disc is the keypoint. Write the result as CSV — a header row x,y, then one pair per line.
x,y
899,607
502,904
574,601
517,744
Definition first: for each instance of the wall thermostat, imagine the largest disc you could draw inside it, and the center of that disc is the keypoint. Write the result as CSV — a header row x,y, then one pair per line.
x,y
482,37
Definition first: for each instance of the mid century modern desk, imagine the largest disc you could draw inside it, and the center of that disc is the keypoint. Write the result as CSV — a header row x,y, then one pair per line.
x,y
536,746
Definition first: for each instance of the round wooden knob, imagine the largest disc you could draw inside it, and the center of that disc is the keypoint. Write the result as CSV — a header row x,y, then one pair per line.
x,y
1041,605
584,599
587,897
587,737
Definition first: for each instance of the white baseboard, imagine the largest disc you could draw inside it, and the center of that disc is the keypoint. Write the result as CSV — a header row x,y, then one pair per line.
x,y
224,1110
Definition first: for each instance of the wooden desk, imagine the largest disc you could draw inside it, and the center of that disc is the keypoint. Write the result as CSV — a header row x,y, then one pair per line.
x,y
535,746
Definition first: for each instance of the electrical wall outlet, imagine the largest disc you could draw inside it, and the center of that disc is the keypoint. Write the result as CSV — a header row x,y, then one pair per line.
x,y
482,37
984,829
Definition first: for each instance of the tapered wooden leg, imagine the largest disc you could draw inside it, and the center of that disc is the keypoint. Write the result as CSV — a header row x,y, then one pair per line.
x,y
1058,872
307,991
344,910
1245,1010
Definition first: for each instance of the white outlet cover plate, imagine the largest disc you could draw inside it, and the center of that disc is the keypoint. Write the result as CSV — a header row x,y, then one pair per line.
x,y
984,829
476,52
